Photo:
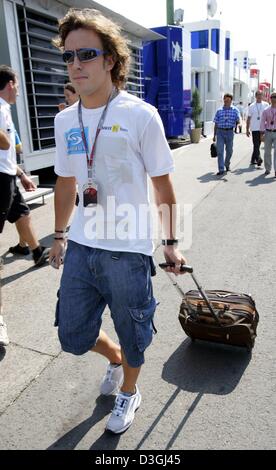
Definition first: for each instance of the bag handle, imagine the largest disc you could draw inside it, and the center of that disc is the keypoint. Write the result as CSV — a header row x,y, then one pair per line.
x,y
184,268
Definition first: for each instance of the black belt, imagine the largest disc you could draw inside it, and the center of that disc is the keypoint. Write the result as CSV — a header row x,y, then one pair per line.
x,y
225,128
270,130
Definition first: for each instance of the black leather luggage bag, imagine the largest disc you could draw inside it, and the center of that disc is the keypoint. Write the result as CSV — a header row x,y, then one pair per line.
x,y
218,316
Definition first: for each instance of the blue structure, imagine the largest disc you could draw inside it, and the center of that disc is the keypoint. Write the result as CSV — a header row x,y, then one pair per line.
x,y
164,87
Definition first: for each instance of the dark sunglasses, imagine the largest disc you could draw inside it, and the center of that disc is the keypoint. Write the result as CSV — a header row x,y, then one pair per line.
x,y
84,55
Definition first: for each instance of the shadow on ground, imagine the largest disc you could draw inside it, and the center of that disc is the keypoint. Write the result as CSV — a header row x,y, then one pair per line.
x,y
72,438
9,258
261,179
2,352
201,368
249,169
211,177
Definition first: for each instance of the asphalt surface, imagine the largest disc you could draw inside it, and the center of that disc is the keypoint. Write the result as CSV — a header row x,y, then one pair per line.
x,y
194,395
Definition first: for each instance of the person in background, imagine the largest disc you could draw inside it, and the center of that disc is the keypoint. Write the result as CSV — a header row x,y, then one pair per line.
x,y
21,248
70,96
268,133
242,114
226,119
13,208
253,124
12,205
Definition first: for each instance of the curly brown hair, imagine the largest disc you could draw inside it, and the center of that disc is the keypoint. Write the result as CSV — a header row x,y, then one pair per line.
x,y
7,74
114,43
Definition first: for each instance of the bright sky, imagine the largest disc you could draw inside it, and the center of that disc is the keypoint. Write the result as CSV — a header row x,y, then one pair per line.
x,y
252,24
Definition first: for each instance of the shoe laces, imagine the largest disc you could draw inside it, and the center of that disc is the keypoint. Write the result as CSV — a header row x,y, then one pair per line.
x,y
120,405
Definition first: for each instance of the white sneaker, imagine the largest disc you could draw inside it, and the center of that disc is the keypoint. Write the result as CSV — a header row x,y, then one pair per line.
x,y
112,380
4,340
123,412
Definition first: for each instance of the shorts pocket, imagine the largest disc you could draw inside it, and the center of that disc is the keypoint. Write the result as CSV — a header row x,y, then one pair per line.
x,y
143,324
57,311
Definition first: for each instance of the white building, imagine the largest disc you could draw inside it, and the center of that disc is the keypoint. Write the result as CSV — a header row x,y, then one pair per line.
x,y
244,85
27,28
212,65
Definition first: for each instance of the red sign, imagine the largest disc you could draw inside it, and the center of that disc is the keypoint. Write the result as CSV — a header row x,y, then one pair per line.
x,y
254,73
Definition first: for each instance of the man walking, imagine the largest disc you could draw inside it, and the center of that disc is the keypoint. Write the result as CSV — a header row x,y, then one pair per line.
x,y
12,205
240,108
255,112
226,119
268,133
108,143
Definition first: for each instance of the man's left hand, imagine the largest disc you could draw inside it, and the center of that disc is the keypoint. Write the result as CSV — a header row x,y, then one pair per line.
x,y
27,183
173,255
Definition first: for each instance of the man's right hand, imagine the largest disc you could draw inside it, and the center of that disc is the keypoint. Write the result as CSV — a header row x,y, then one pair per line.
x,y
57,253
248,133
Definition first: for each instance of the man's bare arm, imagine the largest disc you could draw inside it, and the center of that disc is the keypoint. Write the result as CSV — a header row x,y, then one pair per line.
x,y
164,196
166,202
4,140
65,198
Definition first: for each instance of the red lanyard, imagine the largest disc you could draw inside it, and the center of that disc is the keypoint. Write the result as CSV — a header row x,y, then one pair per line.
x,y
90,158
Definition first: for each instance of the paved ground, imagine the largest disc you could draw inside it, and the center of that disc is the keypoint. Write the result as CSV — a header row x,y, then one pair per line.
x,y
195,396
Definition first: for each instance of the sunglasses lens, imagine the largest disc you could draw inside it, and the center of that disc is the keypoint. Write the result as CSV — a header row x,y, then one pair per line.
x,y
68,57
85,55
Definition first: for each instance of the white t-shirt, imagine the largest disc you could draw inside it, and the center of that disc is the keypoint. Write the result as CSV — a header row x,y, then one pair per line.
x,y
7,157
130,146
255,112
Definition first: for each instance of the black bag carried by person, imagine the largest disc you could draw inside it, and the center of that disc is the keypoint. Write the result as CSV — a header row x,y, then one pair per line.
x,y
216,315
213,150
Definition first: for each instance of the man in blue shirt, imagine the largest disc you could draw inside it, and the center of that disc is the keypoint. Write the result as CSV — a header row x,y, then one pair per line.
x,y
226,119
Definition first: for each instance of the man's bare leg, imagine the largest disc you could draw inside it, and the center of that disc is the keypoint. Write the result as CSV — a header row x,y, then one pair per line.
x,y
112,351
26,231
22,242
130,376
107,348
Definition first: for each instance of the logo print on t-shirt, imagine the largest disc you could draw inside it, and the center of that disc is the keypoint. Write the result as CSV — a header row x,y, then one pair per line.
x,y
74,141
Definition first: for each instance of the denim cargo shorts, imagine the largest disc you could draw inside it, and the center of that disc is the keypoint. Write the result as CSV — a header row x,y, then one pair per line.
x,y
91,280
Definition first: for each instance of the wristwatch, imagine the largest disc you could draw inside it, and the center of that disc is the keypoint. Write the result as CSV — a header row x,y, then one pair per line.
x,y
169,242
21,174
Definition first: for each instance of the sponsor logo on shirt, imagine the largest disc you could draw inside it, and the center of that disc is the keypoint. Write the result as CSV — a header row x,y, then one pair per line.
x,y
115,128
74,141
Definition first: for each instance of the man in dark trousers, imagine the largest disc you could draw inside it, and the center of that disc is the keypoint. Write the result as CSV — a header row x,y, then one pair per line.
x,y
253,123
12,205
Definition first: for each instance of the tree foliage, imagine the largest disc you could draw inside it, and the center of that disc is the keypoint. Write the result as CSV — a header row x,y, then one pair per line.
x,y
196,108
